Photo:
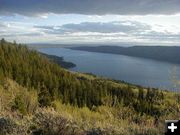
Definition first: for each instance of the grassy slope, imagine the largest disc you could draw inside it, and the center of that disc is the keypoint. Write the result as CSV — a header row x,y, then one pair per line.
x,y
66,119
103,119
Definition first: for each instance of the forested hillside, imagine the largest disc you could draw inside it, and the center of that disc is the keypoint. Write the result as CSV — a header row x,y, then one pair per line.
x,y
90,99
60,61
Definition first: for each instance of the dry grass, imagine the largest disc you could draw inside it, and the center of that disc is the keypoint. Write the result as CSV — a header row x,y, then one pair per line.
x,y
68,120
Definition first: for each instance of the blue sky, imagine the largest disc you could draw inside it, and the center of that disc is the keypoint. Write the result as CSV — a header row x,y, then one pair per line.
x,y
150,22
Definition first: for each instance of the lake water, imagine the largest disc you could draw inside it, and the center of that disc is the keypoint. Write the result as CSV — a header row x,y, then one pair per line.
x,y
134,70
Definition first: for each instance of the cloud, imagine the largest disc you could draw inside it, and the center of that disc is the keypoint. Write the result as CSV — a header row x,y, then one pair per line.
x,y
87,32
2,25
20,35
111,31
99,27
110,27
89,7
17,29
44,27
161,36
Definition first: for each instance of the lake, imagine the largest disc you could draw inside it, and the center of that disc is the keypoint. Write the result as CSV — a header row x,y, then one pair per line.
x,y
144,72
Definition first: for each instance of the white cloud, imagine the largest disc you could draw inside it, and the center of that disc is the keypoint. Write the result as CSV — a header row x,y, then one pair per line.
x,y
92,32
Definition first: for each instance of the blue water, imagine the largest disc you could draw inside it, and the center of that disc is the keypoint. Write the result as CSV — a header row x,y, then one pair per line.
x,y
145,72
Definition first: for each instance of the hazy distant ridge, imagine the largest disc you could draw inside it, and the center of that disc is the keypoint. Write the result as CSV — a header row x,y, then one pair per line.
x,y
161,53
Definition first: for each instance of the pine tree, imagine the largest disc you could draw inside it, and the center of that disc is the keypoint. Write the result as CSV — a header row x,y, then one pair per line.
x,y
44,97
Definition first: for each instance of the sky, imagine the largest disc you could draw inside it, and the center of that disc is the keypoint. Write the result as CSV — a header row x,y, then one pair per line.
x,y
140,22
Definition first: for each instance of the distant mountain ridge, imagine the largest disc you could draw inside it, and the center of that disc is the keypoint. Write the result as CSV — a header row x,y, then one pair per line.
x,y
160,53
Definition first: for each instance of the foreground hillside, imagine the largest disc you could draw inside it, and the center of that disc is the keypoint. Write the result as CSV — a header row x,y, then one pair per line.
x,y
161,53
37,96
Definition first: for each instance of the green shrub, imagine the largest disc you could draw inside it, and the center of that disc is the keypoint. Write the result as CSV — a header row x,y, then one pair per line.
x,y
19,105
